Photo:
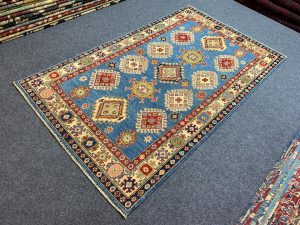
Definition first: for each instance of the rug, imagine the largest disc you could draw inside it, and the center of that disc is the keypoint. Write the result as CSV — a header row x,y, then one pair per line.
x,y
129,111
278,199
19,18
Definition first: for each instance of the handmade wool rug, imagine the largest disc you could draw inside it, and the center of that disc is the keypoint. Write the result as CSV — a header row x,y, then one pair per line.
x,y
129,111
278,199
22,17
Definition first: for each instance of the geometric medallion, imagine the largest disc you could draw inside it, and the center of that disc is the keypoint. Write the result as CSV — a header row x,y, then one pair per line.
x,y
178,100
160,49
133,64
104,79
142,89
151,121
226,63
169,73
110,110
180,37
192,57
204,80
79,92
213,43
177,141
146,169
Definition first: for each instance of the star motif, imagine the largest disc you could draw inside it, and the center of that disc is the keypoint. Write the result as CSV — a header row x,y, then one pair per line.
x,y
192,57
142,89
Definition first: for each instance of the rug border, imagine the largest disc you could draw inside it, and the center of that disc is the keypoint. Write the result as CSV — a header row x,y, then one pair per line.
x,y
89,175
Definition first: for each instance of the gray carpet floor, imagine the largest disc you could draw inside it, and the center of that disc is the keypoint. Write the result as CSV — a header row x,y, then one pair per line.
x,y
39,183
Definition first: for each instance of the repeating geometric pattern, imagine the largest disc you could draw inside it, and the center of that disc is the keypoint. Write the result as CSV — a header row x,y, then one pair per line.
x,y
129,111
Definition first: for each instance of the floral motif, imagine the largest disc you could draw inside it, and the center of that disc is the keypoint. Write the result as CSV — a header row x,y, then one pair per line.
x,y
129,184
239,53
101,157
109,129
66,116
54,75
162,155
77,130
201,95
46,93
70,68
197,28
203,117
127,138
80,92
184,83
37,82
147,139
146,169
175,116
112,65
89,143
177,141
223,77
85,106
83,78
191,128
